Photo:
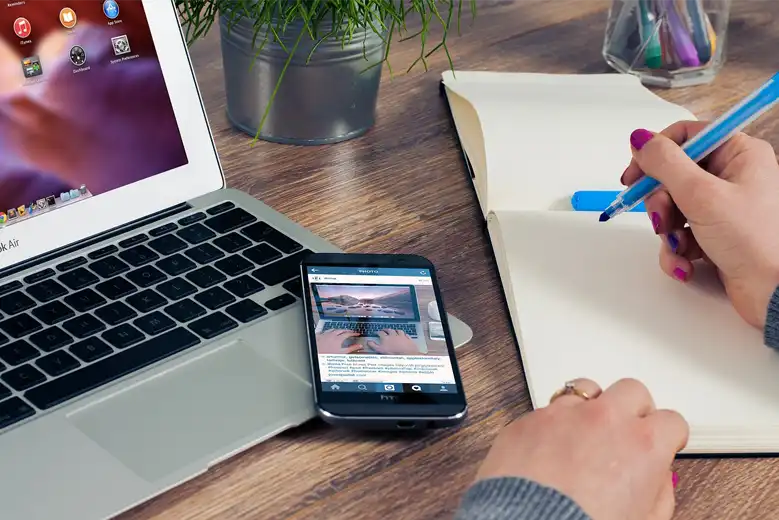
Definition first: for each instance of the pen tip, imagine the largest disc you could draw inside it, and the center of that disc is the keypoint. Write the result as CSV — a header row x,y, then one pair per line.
x,y
603,217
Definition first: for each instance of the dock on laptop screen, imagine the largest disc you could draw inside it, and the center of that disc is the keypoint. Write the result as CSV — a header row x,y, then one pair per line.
x,y
84,108
373,331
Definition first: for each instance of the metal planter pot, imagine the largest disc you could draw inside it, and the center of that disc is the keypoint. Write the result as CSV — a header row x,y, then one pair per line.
x,y
330,99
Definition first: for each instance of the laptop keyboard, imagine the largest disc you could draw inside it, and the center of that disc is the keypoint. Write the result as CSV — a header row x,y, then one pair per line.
x,y
70,329
370,328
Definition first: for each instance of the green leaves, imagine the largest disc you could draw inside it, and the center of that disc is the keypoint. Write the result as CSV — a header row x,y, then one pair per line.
x,y
383,17
270,18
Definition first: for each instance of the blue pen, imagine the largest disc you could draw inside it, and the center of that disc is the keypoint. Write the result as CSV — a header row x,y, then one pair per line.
x,y
594,200
708,140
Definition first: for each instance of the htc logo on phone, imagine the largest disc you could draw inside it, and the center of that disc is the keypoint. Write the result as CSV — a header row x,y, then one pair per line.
x,y
390,398
11,244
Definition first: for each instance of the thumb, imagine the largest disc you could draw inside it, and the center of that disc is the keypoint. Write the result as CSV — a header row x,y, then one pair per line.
x,y
662,159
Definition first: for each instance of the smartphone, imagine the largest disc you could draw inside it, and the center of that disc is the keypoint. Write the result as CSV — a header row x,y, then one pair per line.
x,y
436,331
372,362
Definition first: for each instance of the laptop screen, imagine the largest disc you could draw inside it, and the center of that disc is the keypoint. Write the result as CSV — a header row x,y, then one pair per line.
x,y
84,108
376,302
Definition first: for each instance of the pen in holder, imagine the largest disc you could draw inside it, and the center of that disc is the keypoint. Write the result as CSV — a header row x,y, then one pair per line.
x,y
667,43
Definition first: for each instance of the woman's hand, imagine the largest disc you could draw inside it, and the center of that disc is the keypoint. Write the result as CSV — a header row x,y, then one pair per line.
x,y
611,454
332,342
394,342
729,218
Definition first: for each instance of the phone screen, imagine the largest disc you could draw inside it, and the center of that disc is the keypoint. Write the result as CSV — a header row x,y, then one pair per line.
x,y
371,330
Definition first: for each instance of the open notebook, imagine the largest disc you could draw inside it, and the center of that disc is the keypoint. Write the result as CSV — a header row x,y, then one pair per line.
x,y
588,299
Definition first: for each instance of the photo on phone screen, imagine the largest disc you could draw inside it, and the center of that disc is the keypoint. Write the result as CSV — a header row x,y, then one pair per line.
x,y
372,332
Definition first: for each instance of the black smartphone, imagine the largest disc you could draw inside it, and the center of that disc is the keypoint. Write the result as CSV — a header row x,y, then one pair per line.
x,y
375,361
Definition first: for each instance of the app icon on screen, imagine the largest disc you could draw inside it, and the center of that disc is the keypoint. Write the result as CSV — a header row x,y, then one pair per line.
x,y
120,44
3,218
83,189
111,9
31,66
51,200
68,18
11,213
22,27
21,210
65,196
77,55
74,194
40,204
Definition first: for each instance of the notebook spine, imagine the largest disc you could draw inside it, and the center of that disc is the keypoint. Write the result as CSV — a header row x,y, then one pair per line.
x,y
459,146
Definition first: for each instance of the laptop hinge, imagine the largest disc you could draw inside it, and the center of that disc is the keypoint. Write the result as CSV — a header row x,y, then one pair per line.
x,y
94,239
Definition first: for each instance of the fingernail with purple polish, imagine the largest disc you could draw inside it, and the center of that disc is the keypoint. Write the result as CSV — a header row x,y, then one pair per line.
x,y
655,217
675,479
680,274
639,138
673,242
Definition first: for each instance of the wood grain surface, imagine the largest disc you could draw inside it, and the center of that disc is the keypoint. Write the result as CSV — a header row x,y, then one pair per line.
x,y
402,188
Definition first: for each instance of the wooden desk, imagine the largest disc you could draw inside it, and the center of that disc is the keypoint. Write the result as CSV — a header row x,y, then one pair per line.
x,y
402,188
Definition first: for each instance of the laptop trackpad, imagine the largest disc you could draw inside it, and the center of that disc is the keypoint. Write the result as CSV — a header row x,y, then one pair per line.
x,y
196,410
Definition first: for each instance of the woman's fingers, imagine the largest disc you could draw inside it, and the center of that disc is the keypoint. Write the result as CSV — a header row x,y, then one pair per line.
x,y
588,386
343,332
677,262
630,396
677,267
671,432
678,132
663,213
670,435
681,242
631,174
666,502
683,131
354,347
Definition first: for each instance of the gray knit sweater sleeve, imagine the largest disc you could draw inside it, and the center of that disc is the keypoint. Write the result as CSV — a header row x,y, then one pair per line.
x,y
509,498
771,331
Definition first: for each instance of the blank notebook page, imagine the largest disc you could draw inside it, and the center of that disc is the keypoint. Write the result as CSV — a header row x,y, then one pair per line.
x,y
591,301
546,136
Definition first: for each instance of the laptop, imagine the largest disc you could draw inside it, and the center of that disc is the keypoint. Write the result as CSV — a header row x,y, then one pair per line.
x,y
150,321
369,309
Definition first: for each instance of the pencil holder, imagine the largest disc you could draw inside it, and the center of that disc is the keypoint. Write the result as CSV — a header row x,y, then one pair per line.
x,y
667,43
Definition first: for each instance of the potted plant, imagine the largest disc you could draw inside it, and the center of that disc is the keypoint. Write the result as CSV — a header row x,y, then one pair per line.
x,y
308,71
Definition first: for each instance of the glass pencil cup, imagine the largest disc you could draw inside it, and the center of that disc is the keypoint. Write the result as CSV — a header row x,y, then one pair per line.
x,y
667,43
